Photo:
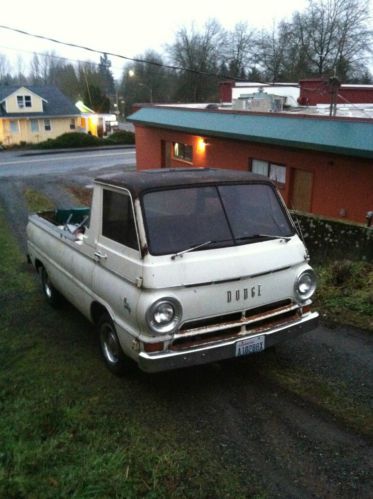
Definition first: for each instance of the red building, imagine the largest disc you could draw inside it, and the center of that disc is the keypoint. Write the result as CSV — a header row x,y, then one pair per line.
x,y
318,91
321,165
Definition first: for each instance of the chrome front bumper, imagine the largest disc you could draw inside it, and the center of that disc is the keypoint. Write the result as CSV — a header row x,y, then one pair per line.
x,y
163,361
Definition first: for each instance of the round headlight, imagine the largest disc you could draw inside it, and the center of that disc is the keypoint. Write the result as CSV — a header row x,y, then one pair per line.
x,y
305,285
164,315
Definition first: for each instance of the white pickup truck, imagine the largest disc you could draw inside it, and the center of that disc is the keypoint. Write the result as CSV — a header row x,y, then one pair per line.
x,y
178,267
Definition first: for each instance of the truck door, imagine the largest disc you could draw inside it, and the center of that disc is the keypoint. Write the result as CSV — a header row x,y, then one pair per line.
x,y
118,269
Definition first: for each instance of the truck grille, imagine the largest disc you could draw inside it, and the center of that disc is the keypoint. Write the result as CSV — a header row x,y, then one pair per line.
x,y
229,326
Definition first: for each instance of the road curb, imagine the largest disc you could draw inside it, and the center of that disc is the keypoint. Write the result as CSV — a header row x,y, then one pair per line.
x,y
76,149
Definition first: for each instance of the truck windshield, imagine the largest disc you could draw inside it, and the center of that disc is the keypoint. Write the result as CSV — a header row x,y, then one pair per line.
x,y
196,218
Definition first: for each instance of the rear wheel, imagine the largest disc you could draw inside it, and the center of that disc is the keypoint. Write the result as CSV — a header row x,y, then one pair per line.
x,y
116,361
51,294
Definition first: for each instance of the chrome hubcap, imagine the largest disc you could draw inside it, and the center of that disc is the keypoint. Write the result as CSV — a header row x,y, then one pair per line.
x,y
110,344
48,290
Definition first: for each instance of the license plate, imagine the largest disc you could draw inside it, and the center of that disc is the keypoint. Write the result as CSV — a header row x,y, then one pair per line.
x,y
250,345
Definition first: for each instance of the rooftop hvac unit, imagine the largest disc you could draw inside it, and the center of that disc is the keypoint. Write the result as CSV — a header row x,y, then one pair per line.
x,y
277,105
241,104
261,105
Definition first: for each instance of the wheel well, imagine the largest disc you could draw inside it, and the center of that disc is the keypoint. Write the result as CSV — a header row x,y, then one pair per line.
x,y
97,310
38,265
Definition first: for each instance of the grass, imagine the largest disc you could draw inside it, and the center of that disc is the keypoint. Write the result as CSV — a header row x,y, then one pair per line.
x,y
37,201
345,293
70,428
83,194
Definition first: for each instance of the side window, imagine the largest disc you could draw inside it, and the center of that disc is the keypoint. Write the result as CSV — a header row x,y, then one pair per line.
x,y
34,124
14,126
183,151
275,172
47,125
117,219
259,167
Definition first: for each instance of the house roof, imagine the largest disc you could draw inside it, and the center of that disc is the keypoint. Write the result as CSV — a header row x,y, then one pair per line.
x,y
349,137
55,102
18,90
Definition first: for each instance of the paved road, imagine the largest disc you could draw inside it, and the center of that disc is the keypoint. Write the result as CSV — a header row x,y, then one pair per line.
x,y
20,164
53,175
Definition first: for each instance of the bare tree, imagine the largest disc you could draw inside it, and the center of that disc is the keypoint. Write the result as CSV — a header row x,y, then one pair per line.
x,y
328,36
4,67
334,34
35,75
45,67
200,53
240,49
20,77
272,53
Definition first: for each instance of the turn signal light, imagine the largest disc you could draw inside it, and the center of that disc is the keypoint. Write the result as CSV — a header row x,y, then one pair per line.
x,y
153,347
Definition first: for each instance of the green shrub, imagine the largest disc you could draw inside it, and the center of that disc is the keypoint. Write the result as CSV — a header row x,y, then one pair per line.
x,y
345,293
341,272
71,139
121,137
78,139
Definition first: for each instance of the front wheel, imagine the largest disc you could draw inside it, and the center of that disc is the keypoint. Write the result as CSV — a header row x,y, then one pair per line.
x,y
116,361
51,294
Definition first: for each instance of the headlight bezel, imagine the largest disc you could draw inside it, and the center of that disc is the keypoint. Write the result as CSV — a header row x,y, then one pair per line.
x,y
305,285
167,326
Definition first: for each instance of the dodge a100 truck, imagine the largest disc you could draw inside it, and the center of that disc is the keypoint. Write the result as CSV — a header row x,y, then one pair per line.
x,y
178,267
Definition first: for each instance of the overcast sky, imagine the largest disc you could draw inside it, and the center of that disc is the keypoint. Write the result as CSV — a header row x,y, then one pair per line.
x,y
128,28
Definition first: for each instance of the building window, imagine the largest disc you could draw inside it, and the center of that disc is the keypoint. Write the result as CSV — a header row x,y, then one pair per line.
x,y
34,125
118,222
24,101
72,124
14,126
275,172
183,152
47,125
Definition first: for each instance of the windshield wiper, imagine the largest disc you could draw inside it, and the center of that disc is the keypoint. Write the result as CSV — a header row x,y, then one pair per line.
x,y
192,248
286,239
274,236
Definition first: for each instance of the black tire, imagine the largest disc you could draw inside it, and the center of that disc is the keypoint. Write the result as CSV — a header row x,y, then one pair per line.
x,y
116,361
53,297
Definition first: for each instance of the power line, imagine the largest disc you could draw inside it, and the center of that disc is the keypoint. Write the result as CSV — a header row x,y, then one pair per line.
x,y
55,56
119,56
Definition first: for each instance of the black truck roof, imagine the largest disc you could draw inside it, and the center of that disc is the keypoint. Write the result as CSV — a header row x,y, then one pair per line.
x,y
138,182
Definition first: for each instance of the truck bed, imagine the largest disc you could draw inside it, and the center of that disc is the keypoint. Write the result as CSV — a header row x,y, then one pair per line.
x,y
72,221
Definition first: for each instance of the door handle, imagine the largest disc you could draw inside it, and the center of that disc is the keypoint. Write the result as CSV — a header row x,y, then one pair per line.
x,y
99,255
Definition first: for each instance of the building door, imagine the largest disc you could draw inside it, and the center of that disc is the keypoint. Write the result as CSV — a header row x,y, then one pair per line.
x,y
166,154
301,195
